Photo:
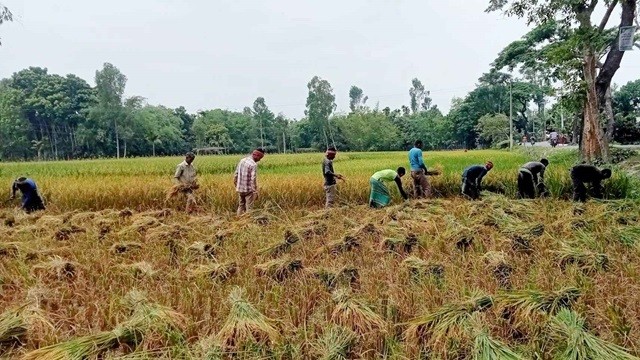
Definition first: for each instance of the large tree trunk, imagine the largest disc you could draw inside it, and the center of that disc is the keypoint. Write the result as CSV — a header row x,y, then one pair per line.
x,y
594,143
115,129
608,110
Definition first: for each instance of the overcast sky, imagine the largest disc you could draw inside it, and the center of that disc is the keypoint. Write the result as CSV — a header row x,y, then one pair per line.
x,y
205,54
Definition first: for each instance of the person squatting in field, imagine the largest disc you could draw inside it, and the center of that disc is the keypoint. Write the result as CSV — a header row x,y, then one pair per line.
x,y
245,180
185,178
581,174
31,200
472,179
330,185
531,177
419,171
380,196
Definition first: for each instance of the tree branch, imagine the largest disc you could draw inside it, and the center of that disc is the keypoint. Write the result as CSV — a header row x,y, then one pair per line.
x,y
607,15
614,57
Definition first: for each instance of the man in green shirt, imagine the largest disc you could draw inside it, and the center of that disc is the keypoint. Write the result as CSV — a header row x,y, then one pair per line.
x,y
380,196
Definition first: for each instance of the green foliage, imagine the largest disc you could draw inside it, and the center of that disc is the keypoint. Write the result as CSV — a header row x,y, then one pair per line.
x,y
493,129
320,105
370,131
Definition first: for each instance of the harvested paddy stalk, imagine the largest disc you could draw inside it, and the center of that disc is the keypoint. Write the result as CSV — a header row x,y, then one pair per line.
x,y
355,314
347,276
202,250
10,249
447,322
585,260
400,245
367,232
347,243
124,247
57,268
336,343
140,269
283,246
313,228
419,268
496,262
245,325
279,269
165,232
487,348
147,320
216,271
66,232
521,244
628,236
578,343
140,225
526,304
13,329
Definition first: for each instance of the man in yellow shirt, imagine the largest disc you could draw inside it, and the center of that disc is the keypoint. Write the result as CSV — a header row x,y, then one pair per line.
x,y
380,196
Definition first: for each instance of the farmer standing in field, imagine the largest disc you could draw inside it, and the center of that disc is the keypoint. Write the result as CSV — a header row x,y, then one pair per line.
x,y
330,186
380,196
472,179
245,180
419,171
31,200
531,177
185,177
584,173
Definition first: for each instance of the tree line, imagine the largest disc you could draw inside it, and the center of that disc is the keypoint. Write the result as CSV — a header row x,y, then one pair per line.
x,y
558,76
49,116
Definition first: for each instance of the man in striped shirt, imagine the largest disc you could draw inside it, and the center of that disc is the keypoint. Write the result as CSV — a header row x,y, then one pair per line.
x,y
245,180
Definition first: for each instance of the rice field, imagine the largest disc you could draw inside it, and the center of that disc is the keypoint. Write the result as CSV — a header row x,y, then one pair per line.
x,y
288,181
446,278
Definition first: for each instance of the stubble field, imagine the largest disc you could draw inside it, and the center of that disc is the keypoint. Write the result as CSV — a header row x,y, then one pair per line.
x,y
111,270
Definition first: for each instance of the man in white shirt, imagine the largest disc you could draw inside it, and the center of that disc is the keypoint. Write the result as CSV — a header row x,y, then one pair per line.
x,y
245,180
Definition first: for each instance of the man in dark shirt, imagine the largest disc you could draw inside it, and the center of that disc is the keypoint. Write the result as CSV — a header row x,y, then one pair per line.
x,y
31,200
584,173
531,177
472,179
330,177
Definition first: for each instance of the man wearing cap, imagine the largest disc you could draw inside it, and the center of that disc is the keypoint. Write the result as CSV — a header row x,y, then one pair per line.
x,y
245,180
330,186
419,171
185,177
531,177
31,200
472,179
584,173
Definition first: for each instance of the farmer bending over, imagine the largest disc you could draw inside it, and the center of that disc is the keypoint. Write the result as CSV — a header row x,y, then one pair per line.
x,y
380,196
472,179
31,200
531,177
185,178
581,174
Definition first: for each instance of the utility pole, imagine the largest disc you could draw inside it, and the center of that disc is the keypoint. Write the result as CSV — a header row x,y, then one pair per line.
x,y
510,115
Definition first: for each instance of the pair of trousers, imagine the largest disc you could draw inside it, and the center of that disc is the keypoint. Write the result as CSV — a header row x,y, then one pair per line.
x,y
330,195
470,189
245,201
526,187
421,183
